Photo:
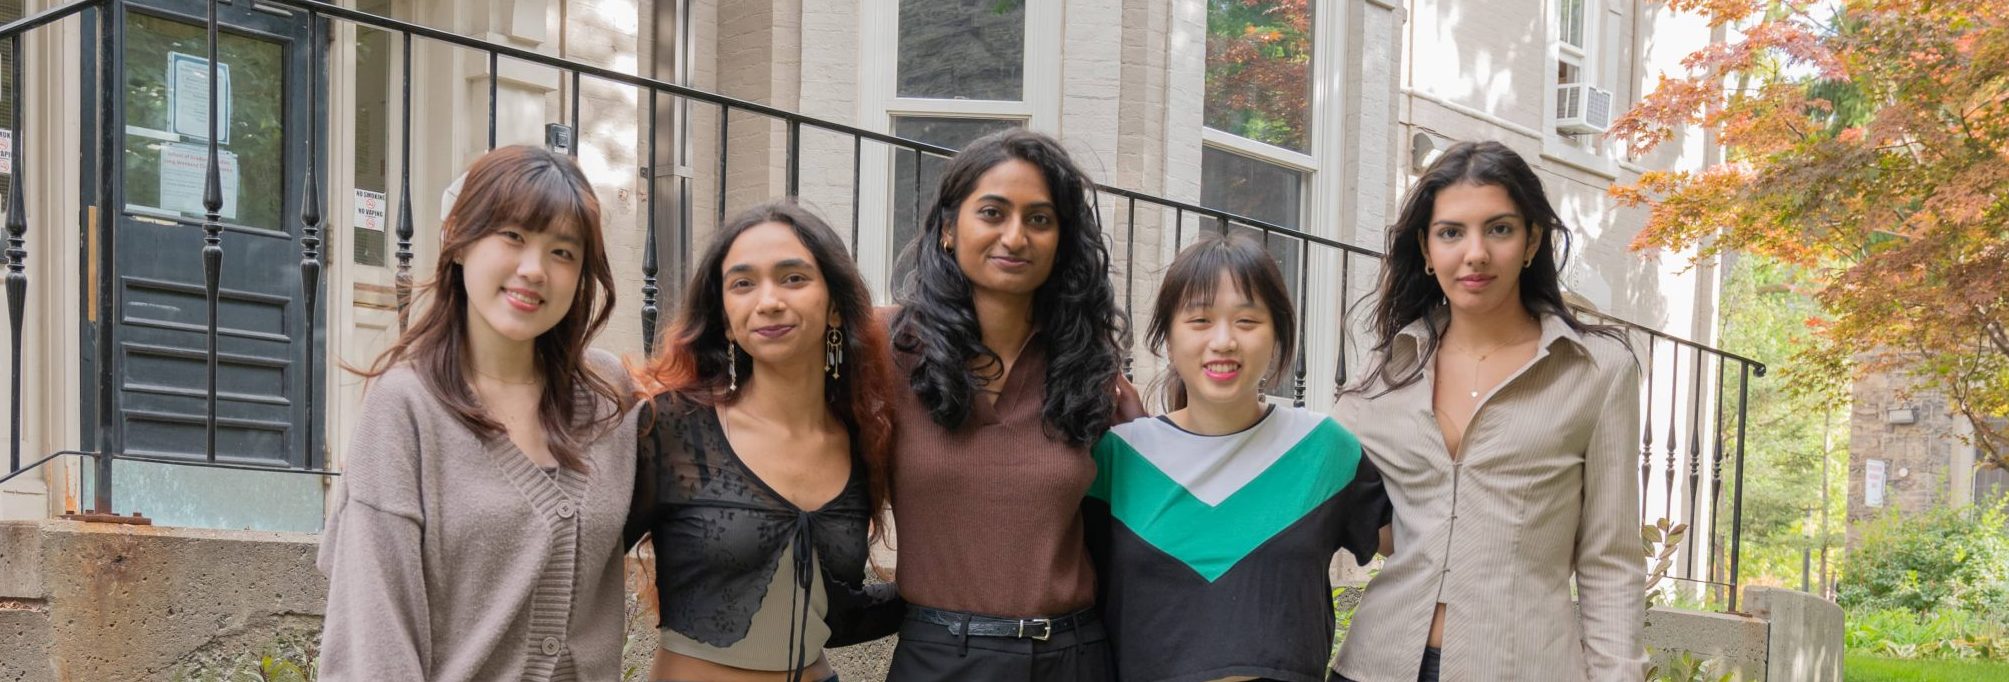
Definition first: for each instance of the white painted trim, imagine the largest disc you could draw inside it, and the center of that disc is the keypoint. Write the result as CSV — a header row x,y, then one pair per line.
x,y
1328,197
1486,117
1260,151
1580,160
958,108
1043,52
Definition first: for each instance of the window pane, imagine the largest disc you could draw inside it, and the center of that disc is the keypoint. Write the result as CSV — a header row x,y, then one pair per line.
x,y
1571,21
1259,70
962,49
948,132
1263,191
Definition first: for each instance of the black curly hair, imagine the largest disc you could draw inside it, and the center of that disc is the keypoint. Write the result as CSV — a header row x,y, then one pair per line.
x,y
1075,309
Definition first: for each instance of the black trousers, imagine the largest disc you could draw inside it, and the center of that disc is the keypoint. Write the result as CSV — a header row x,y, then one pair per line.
x,y
928,653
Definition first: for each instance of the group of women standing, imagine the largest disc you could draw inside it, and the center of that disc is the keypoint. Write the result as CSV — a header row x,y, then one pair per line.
x,y
1048,527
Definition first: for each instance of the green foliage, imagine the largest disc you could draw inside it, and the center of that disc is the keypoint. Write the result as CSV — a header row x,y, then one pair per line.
x,y
291,657
1688,668
1866,668
1949,558
1660,540
1944,633
1793,424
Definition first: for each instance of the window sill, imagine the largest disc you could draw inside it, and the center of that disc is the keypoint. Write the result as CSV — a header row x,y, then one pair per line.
x,y
1554,149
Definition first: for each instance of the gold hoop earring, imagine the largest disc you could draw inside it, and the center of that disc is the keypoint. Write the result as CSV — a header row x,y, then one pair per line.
x,y
732,365
1429,269
833,351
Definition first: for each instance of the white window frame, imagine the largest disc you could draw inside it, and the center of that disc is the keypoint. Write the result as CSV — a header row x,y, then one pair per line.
x,y
879,102
1585,152
1323,199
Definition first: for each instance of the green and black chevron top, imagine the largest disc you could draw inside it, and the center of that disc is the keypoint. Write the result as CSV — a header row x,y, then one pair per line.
x,y
1215,549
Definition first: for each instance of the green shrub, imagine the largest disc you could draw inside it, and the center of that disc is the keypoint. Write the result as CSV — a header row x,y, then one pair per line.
x,y
1939,559
1947,633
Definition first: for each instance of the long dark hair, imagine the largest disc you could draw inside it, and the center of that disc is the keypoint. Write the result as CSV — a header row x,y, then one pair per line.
x,y
532,189
1408,293
691,358
1193,277
1075,309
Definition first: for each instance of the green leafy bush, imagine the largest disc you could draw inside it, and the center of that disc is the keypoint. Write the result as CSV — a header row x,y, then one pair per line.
x,y
1956,558
1946,633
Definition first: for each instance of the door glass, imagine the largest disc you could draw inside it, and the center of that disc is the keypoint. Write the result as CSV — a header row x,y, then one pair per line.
x,y
167,135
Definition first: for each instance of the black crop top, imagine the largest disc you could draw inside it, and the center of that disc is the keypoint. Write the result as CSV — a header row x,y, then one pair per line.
x,y
719,533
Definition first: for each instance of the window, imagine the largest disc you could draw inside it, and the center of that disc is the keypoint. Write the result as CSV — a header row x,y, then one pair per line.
x,y
962,49
1265,191
1259,71
947,73
1258,155
376,52
1569,54
913,194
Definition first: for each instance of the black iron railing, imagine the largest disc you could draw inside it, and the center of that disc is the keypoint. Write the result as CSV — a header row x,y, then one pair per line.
x,y
1702,427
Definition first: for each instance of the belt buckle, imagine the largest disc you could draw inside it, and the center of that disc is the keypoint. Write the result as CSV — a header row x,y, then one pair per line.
x,y
1045,628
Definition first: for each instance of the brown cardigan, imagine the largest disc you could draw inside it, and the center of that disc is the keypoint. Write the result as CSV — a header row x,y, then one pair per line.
x,y
452,557
988,515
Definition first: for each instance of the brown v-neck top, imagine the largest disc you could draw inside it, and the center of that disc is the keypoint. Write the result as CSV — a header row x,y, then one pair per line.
x,y
988,516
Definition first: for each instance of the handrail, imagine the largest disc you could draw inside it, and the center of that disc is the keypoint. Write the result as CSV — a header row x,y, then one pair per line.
x,y
51,15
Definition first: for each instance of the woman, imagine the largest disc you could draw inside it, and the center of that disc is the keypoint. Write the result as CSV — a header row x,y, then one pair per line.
x,y
1008,341
1219,520
477,528
763,458
1504,428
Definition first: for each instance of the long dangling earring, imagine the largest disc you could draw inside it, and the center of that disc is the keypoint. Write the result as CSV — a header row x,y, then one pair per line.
x,y
833,351
732,365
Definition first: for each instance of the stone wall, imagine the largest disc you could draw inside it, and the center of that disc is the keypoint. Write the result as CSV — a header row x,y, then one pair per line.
x,y
1927,463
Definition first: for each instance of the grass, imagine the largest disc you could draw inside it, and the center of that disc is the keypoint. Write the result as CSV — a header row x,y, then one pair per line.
x,y
1866,668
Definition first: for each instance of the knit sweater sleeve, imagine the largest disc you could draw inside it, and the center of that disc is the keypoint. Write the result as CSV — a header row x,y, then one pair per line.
x,y
377,624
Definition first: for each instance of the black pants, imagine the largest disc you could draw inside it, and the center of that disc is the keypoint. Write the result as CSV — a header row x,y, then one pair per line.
x,y
928,653
1432,659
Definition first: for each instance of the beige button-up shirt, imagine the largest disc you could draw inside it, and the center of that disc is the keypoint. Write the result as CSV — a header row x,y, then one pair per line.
x,y
1543,492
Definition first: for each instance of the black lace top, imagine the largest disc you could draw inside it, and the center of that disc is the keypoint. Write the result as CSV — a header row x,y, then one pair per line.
x,y
719,532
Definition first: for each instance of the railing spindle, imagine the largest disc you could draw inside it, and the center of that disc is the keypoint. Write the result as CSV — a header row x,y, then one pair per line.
x,y
1646,433
724,131
1716,475
492,63
578,130
1673,417
1303,306
1129,284
857,171
1737,501
1694,452
310,245
212,234
649,289
794,159
403,280
17,249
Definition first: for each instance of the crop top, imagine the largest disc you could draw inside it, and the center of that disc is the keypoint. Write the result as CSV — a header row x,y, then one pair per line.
x,y
721,535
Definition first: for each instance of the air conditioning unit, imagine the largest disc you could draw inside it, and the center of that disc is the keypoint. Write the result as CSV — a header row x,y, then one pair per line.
x,y
1582,109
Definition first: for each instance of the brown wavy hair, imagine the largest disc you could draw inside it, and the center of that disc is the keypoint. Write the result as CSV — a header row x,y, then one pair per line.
x,y
533,189
691,354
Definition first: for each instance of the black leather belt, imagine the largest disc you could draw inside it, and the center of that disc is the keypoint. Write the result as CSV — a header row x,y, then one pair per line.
x,y
991,626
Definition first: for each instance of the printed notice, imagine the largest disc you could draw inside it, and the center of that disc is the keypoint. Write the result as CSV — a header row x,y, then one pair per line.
x,y
188,97
183,173
1873,477
371,208
6,151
